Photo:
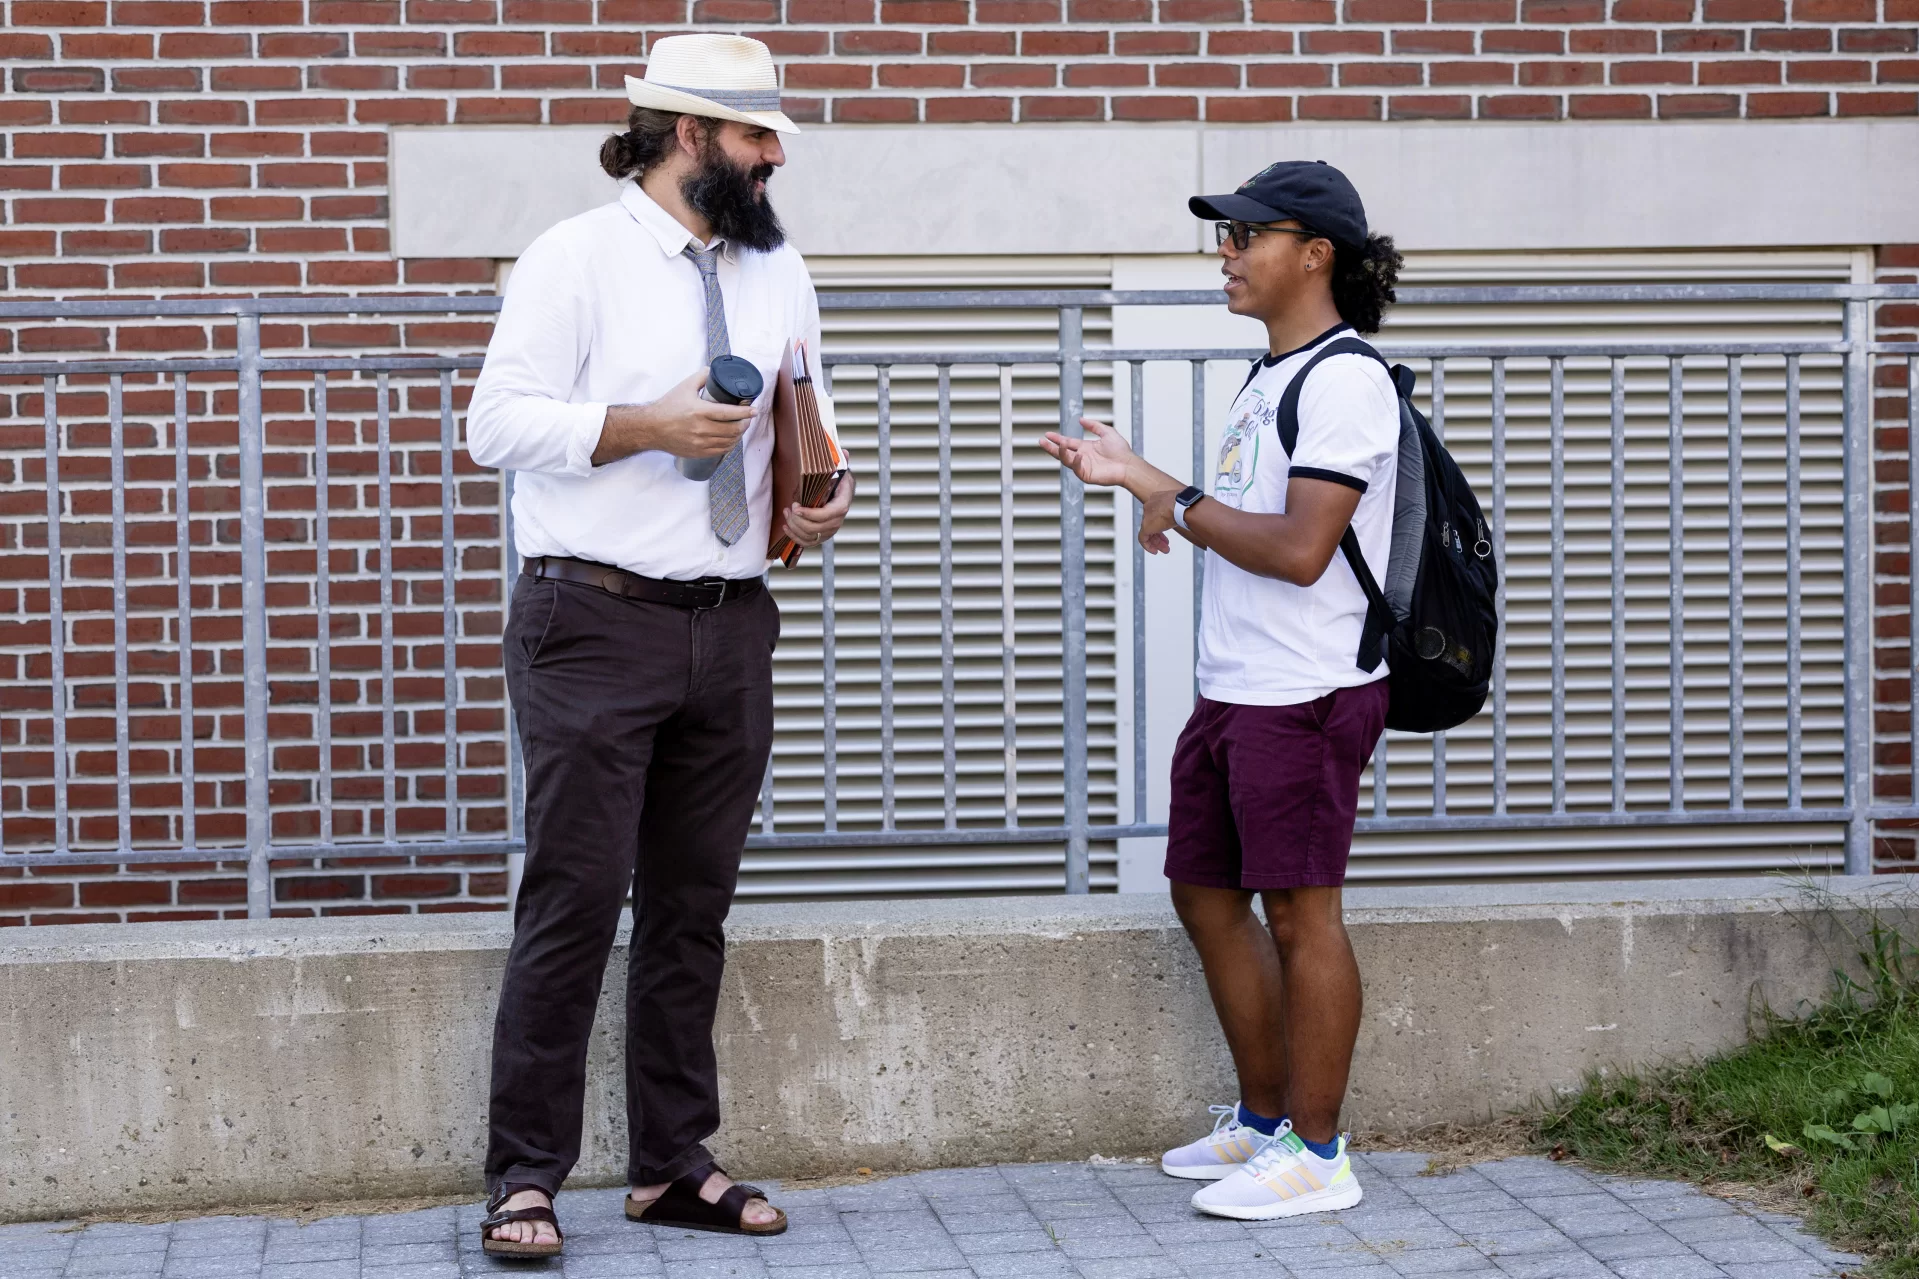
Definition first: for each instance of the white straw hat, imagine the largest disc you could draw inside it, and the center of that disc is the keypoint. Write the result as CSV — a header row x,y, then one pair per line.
x,y
720,76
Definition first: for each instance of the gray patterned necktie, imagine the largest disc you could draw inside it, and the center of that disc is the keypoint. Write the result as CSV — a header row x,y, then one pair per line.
x,y
726,491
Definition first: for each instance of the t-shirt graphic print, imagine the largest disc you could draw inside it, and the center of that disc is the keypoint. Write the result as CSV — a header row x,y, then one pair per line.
x,y
1264,642
1239,447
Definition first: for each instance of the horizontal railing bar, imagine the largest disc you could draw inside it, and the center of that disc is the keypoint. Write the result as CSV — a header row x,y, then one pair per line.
x,y
1413,296
1391,350
921,299
55,368
276,852
1032,355
992,835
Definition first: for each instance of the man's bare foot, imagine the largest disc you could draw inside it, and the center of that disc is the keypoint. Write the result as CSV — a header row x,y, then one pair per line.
x,y
757,1212
526,1231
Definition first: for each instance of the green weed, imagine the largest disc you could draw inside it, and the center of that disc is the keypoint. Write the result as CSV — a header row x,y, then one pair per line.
x,y
1821,1110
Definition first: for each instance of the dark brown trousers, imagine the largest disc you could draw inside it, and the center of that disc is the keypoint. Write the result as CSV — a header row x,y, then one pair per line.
x,y
646,730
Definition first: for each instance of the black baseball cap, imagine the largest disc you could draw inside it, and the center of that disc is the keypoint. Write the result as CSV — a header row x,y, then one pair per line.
x,y
1311,192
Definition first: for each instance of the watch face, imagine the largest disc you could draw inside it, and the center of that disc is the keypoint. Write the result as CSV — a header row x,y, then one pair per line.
x,y
1189,495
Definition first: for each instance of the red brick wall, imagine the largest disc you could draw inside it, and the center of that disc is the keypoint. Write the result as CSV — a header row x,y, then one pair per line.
x,y
240,144
1898,843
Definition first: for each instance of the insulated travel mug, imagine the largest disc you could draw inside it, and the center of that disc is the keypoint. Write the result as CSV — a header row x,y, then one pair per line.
x,y
729,380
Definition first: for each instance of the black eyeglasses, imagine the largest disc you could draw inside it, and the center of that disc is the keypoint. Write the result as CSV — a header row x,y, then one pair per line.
x,y
1242,233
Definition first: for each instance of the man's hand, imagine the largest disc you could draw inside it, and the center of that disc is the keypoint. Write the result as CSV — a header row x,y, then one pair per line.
x,y
679,422
812,525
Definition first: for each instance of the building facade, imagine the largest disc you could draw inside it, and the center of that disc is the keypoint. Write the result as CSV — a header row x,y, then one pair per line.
x,y
167,148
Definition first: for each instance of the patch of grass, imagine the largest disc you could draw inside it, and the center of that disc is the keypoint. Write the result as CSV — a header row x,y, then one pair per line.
x,y
1818,1114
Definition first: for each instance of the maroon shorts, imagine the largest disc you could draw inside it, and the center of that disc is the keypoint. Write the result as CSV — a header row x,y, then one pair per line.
x,y
1264,796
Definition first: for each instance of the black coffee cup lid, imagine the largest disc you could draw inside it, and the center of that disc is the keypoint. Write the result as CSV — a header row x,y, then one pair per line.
x,y
735,377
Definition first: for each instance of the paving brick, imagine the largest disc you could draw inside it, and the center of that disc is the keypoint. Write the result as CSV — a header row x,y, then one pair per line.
x,y
1441,1261
347,1269
296,1250
1102,1245
1640,1243
731,1268
1667,1268
1159,1267
1448,1206
1024,1266
1477,1226
689,1246
628,1266
140,1263
1803,1268
1560,1265
1762,1245
998,1242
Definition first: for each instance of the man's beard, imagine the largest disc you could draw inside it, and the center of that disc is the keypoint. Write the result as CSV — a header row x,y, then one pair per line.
x,y
722,193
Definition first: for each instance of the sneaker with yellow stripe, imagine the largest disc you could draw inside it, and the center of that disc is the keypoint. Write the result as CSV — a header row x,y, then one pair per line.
x,y
1283,1179
1220,1153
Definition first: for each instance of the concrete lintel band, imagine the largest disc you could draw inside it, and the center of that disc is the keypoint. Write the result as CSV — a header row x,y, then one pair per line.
x,y
1122,189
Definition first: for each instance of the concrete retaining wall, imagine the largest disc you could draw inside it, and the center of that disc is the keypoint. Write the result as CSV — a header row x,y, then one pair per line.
x,y
201,1064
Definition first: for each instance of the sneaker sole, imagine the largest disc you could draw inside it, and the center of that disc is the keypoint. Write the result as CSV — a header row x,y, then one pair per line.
x,y
1317,1201
1200,1172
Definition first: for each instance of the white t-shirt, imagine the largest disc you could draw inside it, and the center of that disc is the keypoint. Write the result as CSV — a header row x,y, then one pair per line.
x,y
1264,642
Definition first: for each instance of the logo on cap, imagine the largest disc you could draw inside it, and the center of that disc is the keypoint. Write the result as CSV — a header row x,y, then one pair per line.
x,y
1262,173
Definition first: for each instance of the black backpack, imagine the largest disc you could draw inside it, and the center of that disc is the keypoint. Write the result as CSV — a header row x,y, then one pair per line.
x,y
1436,617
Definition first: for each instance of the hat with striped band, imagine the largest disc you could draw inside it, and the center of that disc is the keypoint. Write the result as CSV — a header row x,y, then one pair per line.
x,y
719,76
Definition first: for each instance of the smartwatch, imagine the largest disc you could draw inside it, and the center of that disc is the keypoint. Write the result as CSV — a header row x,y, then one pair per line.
x,y
1183,499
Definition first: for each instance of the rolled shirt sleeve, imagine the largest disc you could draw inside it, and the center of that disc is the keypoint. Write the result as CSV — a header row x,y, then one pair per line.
x,y
1348,423
523,417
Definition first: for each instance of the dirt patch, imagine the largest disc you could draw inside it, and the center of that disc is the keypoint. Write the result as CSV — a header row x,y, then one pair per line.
x,y
1454,1146
305,1212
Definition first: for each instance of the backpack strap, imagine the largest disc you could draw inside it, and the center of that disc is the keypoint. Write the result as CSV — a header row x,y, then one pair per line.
x,y
1287,419
1380,619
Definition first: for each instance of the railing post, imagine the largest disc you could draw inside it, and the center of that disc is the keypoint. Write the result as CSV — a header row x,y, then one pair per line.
x,y
253,610
1858,612
1072,557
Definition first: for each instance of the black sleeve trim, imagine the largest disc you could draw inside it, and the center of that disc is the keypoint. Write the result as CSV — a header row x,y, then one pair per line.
x,y
1331,477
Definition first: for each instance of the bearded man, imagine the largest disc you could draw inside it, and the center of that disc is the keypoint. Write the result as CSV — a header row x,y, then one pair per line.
x,y
639,646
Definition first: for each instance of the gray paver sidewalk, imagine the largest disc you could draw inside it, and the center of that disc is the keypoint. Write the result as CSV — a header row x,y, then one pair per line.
x,y
1526,1218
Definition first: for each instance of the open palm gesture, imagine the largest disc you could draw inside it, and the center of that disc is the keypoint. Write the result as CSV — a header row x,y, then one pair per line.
x,y
1102,458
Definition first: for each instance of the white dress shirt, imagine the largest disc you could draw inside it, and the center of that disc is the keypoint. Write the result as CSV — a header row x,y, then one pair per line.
x,y
604,309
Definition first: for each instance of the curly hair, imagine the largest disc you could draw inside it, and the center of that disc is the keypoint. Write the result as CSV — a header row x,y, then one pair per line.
x,y
650,135
1363,282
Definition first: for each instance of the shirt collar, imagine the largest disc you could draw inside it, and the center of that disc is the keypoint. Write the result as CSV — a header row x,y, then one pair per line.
x,y
658,223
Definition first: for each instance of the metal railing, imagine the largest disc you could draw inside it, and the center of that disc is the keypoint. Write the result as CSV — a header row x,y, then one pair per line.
x,y
254,369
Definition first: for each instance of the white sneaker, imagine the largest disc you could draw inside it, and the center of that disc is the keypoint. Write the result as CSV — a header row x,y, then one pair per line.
x,y
1284,1179
1221,1153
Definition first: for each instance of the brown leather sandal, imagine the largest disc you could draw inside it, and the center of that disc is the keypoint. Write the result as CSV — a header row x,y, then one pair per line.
x,y
681,1207
498,1216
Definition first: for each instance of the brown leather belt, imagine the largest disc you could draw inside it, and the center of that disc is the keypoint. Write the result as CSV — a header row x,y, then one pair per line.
x,y
700,593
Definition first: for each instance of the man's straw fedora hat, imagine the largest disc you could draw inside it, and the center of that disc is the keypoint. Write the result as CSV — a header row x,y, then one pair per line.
x,y
721,76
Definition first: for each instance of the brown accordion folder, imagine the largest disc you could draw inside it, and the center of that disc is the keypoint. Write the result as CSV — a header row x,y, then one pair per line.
x,y
807,462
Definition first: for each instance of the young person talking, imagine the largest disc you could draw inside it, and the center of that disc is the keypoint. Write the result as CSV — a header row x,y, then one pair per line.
x,y
1265,778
